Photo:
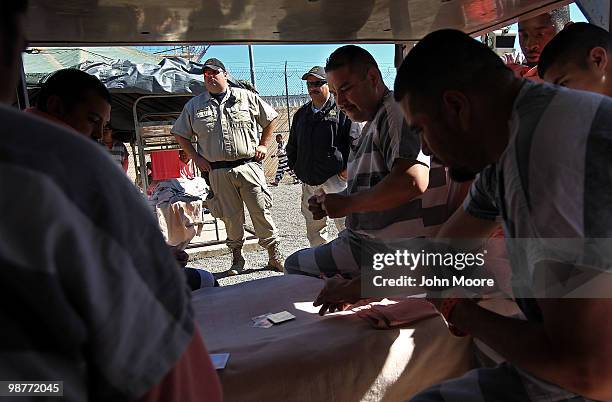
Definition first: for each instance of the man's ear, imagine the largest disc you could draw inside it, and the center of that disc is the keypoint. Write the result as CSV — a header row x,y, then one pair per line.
x,y
55,106
598,58
372,76
456,108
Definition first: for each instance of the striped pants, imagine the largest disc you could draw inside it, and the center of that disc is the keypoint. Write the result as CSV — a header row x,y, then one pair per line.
x,y
339,256
347,255
504,383
283,166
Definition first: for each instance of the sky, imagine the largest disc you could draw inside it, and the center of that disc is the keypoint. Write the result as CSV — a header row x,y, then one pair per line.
x,y
269,60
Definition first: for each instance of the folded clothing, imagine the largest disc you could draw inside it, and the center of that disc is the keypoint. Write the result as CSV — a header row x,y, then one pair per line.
x,y
403,312
175,190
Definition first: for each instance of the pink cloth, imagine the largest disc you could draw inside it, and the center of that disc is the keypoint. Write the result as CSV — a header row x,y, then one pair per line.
x,y
404,312
186,169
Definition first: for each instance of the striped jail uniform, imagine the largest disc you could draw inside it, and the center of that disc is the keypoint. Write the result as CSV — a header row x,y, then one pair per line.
x,y
383,140
283,164
89,293
554,181
118,151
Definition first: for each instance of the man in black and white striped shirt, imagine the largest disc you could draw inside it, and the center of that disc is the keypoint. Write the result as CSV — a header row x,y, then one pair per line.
x,y
543,154
388,175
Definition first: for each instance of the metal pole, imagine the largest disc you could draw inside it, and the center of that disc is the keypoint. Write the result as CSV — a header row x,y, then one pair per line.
x,y
144,180
287,98
252,65
398,56
22,91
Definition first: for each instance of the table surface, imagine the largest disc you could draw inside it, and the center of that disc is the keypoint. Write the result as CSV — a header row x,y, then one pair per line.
x,y
338,357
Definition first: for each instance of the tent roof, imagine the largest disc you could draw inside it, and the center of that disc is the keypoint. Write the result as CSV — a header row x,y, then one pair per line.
x,y
39,62
126,79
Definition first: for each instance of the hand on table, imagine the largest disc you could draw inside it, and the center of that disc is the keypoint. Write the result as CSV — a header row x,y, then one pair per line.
x,y
454,296
337,294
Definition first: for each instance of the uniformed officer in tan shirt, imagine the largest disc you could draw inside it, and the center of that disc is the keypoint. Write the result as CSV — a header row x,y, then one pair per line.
x,y
225,121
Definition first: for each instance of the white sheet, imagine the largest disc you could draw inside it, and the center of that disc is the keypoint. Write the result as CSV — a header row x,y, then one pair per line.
x,y
316,359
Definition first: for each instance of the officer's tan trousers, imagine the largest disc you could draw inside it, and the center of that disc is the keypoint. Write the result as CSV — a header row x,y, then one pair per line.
x,y
233,188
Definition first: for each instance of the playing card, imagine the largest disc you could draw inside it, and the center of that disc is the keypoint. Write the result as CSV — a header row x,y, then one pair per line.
x,y
278,318
260,317
261,321
219,360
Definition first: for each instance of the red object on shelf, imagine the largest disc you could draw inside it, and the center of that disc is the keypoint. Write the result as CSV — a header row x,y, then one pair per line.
x,y
165,165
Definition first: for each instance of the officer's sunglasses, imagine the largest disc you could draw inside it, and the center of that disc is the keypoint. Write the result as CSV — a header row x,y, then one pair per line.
x,y
209,72
316,84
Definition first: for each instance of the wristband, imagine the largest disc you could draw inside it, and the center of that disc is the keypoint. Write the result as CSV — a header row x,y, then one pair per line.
x,y
446,309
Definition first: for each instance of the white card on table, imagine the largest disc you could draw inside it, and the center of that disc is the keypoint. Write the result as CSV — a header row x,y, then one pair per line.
x,y
278,318
219,360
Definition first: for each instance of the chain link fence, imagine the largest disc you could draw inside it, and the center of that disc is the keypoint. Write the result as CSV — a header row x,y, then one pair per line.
x,y
286,92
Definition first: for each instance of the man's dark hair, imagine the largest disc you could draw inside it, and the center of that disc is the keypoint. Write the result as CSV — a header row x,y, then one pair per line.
x,y
446,60
71,86
357,58
572,45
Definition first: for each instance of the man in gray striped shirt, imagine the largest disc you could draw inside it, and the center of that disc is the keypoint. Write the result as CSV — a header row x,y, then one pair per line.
x,y
89,294
387,174
543,154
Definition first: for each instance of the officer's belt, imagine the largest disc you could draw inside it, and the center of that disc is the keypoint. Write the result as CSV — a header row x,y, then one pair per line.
x,y
230,164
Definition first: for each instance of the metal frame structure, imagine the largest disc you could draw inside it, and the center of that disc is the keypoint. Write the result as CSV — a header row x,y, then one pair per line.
x,y
142,146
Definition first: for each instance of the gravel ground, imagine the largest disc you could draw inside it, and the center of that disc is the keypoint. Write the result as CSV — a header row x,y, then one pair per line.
x,y
292,229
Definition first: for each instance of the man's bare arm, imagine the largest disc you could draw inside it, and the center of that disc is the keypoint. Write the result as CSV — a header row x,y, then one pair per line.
x,y
186,145
266,136
461,225
463,231
267,133
407,180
